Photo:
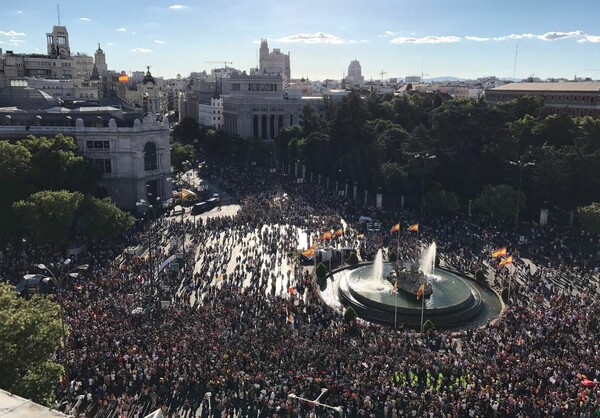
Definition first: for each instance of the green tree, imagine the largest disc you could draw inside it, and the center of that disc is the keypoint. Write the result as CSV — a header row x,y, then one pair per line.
x,y
352,259
589,217
14,164
101,219
350,314
186,131
441,202
500,201
49,214
181,153
31,332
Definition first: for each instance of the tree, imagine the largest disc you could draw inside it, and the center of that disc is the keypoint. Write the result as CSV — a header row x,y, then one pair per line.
x,y
350,314
187,131
321,271
49,214
589,217
14,165
428,327
181,153
31,332
101,219
480,276
441,202
500,201
352,259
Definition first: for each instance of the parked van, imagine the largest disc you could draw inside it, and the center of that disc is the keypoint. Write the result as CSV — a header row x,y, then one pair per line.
x,y
199,208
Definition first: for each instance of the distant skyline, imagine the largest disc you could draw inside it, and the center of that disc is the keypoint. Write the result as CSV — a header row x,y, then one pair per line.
x,y
460,38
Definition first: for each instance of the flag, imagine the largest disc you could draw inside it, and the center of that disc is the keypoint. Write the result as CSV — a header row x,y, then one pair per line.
x,y
360,236
395,228
290,318
326,235
505,261
219,277
499,253
339,232
309,253
520,341
421,291
414,227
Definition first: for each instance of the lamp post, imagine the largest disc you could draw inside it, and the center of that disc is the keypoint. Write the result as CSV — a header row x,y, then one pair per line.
x,y
144,204
424,156
522,166
316,402
58,277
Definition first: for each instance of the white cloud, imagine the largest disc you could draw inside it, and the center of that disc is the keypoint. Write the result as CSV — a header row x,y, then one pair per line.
x,y
14,41
360,41
85,19
110,44
141,50
133,33
19,12
158,41
312,38
426,40
177,7
476,38
11,33
590,38
548,36
387,34
121,30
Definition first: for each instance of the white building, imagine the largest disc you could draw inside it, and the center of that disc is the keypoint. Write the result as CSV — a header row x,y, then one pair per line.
x,y
355,77
100,61
83,65
65,89
412,79
133,151
211,114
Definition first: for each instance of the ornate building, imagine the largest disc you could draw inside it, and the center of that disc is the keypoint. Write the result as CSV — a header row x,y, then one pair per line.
x,y
100,61
273,63
132,150
255,106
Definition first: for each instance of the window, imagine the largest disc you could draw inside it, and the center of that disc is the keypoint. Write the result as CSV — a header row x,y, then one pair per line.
x,y
89,144
104,164
150,160
235,87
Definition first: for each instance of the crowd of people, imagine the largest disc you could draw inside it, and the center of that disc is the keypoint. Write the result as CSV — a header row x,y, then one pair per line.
x,y
245,326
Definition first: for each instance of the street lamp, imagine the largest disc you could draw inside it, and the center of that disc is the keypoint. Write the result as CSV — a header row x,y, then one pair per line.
x,y
522,166
316,402
144,204
58,277
424,157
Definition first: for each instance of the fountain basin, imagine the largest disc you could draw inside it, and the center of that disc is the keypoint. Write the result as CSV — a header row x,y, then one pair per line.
x,y
455,301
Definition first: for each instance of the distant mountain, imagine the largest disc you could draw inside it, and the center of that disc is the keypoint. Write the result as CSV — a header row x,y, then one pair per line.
x,y
440,79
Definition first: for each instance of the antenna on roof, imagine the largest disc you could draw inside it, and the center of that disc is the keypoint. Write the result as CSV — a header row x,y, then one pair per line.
x,y
58,13
515,66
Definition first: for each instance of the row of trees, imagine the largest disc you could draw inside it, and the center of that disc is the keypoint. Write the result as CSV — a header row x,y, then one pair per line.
x,y
48,189
375,141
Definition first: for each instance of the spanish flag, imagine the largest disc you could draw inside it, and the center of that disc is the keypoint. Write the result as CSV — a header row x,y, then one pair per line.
x,y
360,236
290,318
219,277
414,228
309,253
499,253
339,232
421,290
395,228
507,260
326,235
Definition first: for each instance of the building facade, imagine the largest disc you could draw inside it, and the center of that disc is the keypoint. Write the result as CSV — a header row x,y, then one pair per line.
x,y
274,62
572,98
256,108
100,61
133,151
210,114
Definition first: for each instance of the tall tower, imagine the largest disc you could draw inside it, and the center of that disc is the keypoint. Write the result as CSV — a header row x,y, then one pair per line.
x,y
58,42
355,76
100,61
263,54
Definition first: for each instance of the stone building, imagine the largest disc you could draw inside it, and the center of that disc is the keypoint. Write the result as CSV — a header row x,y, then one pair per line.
x,y
274,62
132,150
255,106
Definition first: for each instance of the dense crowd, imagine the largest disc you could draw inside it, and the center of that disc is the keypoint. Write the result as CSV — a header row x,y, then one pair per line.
x,y
235,341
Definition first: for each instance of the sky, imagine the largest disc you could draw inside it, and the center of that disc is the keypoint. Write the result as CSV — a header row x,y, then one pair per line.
x,y
436,38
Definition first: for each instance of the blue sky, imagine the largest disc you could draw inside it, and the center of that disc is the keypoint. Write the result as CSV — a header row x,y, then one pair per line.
x,y
463,38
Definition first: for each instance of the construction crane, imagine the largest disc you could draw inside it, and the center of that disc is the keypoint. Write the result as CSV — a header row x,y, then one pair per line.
x,y
382,73
219,62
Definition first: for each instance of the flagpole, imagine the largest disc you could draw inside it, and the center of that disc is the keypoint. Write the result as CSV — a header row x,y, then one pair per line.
x,y
398,246
417,247
422,310
396,305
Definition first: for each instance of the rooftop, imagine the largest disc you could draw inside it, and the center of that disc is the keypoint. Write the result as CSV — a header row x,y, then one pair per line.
x,y
587,86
